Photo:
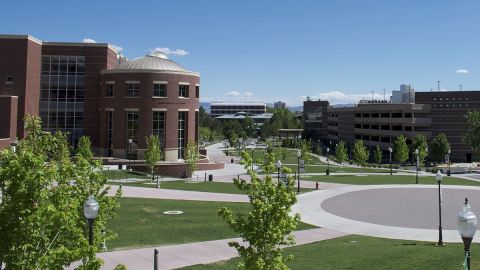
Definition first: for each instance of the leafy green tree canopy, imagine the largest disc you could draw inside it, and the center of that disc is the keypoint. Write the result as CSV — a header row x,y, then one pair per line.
x,y
153,154
191,157
472,136
378,155
341,154
440,147
400,149
420,142
360,153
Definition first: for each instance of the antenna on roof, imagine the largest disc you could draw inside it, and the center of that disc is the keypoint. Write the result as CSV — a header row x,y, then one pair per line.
x,y
384,99
460,85
438,86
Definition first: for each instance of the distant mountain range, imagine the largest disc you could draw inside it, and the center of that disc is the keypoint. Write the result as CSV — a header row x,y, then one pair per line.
x,y
206,106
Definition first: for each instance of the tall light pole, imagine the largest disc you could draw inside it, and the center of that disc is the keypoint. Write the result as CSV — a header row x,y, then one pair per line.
x,y
449,172
328,161
279,166
467,227
299,154
130,141
426,159
390,150
416,153
90,210
439,178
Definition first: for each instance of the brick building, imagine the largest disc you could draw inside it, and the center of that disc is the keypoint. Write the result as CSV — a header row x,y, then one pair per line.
x,y
88,89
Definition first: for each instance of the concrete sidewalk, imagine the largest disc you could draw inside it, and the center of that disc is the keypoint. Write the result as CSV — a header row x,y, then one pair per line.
x,y
171,194
177,256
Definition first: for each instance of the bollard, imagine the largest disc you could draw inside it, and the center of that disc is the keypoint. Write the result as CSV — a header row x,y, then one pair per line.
x,y
104,246
158,183
316,185
155,259
205,177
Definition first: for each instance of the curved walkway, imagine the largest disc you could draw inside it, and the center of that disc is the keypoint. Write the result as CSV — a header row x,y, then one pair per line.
x,y
360,210
171,194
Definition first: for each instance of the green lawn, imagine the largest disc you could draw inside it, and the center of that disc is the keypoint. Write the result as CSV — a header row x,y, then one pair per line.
x,y
122,174
141,222
361,252
389,179
311,168
291,155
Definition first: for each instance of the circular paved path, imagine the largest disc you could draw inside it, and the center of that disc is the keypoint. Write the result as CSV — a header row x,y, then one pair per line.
x,y
390,211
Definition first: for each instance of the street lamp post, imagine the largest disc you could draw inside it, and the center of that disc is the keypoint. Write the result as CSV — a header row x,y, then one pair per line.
x,y
439,178
299,154
426,159
467,227
90,210
279,166
416,177
449,172
130,141
390,150
328,161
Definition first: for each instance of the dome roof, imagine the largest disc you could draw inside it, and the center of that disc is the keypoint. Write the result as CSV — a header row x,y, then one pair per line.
x,y
154,61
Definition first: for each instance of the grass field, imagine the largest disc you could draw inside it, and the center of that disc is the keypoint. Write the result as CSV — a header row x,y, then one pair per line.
x,y
122,174
389,179
216,187
361,252
141,222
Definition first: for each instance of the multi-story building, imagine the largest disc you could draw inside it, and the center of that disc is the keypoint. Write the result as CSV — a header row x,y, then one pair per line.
x,y
315,119
223,108
406,94
279,105
86,89
448,110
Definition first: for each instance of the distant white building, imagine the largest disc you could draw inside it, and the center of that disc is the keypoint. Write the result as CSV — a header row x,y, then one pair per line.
x,y
224,108
279,105
406,94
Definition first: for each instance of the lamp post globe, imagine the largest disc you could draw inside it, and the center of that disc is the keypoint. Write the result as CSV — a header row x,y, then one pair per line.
x,y
449,172
130,141
426,157
439,178
390,150
278,164
467,227
416,167
328,161
90,210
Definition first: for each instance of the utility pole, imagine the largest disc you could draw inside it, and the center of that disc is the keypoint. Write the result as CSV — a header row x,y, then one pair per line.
x,y
438,86
460,85
384,94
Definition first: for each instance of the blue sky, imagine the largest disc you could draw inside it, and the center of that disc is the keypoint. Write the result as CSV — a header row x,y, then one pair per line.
x,y
279,50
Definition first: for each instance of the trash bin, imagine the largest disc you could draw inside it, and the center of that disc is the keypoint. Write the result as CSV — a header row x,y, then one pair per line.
x,y
231,160
210,177
120,166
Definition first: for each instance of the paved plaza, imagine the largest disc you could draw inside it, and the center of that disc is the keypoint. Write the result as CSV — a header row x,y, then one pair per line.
x,y
390,211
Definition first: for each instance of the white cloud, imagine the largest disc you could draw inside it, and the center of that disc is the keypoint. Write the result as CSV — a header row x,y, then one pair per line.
x,y
462,71
88,40
337,97
233,94
117,48
168,51
247,94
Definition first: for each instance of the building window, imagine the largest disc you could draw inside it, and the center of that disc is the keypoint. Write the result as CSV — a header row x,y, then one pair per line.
x,y
160,90
183,90
197,91
132,133
133,89
9,79
110,132
110,90
158,127
182,124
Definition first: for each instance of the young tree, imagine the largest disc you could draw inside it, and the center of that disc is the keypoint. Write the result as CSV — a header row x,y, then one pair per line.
x,y
341,154
153,153
84,148
43,191
400,149
377,154
283,153
472,136
268,226
249,126
191,157
420,142
439,146
360,153
305,149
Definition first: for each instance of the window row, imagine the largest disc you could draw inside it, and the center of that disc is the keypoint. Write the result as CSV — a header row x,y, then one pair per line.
x,y
158,90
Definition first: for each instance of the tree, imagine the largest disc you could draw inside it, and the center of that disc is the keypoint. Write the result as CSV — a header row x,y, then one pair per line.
x,y
472,135
153,153
400,149
191,157
268,226
360,153
341,154
84,148
283,153
377,154
420,142
440,147
305,149
41,210
249,126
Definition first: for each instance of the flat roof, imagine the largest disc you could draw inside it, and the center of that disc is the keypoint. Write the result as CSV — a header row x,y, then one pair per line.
x,y
238,104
